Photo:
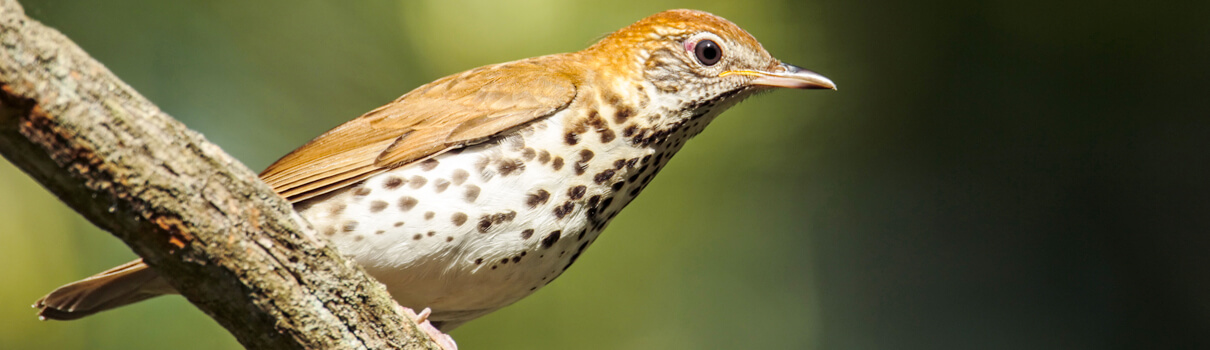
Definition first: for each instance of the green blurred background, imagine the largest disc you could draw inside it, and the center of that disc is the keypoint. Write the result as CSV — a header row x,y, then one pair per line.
x,y
991,174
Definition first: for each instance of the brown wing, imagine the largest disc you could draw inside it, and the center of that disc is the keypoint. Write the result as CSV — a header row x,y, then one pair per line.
x,y
449,113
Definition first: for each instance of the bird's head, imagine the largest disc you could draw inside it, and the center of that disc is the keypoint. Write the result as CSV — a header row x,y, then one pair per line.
x,y
700,57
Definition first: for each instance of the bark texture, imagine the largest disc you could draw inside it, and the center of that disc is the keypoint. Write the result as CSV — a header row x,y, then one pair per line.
x,y
204,221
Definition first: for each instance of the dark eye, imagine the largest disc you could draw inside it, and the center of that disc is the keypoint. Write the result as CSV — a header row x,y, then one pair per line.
x,y
708,52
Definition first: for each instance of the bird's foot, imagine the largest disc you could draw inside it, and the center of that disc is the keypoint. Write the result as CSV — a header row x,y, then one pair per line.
x,y
422,319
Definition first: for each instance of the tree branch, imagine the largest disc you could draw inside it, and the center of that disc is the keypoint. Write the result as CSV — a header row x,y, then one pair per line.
x,y
205,222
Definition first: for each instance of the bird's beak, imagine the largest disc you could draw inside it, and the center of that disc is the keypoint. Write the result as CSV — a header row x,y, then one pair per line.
x,y
788,76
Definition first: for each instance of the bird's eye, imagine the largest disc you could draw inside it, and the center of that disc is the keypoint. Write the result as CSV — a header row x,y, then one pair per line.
x,y
708,52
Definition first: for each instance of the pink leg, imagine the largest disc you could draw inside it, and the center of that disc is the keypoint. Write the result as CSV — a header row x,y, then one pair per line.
x,y
444,340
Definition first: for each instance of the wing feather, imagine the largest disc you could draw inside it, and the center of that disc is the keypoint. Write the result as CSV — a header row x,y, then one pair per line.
x,y
452,112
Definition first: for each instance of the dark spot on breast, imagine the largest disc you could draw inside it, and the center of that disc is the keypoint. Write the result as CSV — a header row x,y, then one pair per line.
x,y
330,230
449,239
619,164
582,164
607,135
622,114
543,156
498,218
516,259
564,209
485,223
534,199
398,223
594,200
594,120
612,99
557,163
571,139
417,237
339,208
349,226
503,261
429,164
605,203
431,233
379,232
377,206
529,153
440,185
478,261
580,236
638,138
509,166
617,186
529,232
417,181
362,191
603,176
459,177
392,183
629,131
472,193
551,238
458,219
407,203
428,215
577,192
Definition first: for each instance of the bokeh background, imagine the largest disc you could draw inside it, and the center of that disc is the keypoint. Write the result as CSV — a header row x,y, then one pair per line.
x,y
1020,174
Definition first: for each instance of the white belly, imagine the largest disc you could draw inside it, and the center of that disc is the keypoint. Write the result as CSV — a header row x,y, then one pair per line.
x,y
469,233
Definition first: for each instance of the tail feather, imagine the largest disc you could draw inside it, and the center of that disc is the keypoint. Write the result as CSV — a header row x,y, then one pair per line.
x,y
129,283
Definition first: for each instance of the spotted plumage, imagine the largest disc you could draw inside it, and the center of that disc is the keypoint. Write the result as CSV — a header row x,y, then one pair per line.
x,y
472,192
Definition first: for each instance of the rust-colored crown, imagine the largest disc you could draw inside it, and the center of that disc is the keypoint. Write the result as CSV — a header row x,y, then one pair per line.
x,y
674,24
617,51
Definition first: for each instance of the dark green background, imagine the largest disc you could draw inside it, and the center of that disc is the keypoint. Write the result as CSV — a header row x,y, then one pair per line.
x,y
990,175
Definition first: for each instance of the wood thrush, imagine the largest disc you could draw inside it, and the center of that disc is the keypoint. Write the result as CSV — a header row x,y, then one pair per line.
x,y
473,191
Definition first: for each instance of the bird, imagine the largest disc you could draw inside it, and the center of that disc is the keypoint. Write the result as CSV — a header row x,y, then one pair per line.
x,y
473,191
